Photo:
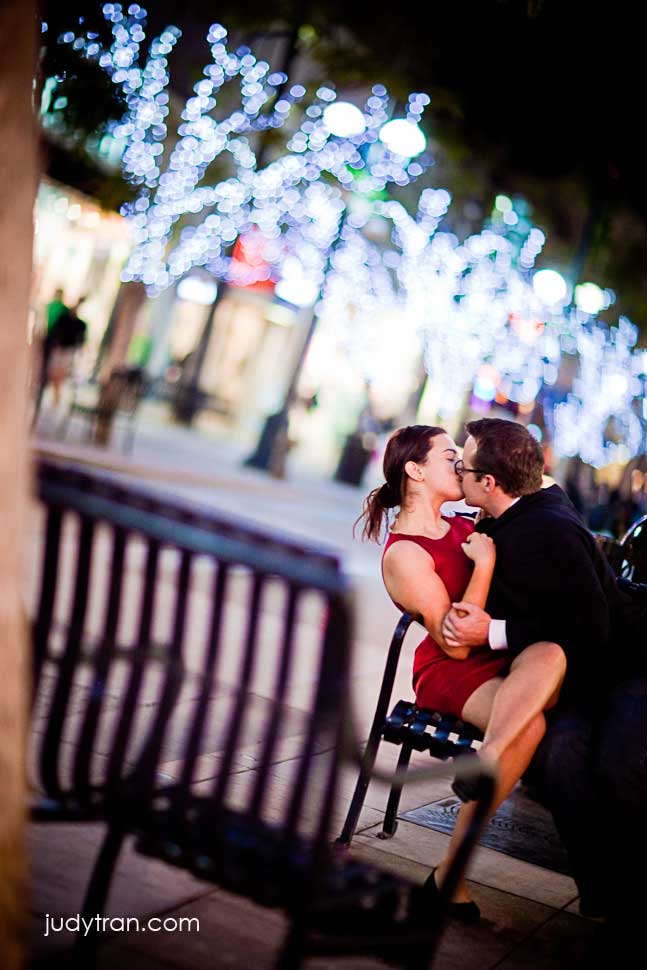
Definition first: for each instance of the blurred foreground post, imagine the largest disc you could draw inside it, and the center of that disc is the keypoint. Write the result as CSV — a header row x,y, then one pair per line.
x,y
18,183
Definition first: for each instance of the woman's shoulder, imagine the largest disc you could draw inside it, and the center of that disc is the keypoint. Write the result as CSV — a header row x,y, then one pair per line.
x,y
404,541
402,547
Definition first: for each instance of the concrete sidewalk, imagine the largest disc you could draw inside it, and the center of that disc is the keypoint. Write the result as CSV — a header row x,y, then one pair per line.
x,y
530,917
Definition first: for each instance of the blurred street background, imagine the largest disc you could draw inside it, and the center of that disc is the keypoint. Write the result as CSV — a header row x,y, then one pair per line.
x,y
278,230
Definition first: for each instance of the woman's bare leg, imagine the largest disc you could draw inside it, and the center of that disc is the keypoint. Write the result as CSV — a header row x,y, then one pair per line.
x,y
509,712
511,765
532,685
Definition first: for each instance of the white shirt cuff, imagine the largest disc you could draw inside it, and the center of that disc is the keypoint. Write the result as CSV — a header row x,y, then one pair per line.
x,y
497,636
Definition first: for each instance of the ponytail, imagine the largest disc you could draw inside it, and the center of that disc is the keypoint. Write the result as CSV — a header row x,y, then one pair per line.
x,y
375,511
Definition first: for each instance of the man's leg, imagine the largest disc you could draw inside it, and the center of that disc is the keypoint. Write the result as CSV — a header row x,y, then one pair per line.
x,y
564,776
621,767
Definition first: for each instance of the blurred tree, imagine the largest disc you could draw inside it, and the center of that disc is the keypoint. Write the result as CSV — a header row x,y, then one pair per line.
x,y
78,104
529,97
536,98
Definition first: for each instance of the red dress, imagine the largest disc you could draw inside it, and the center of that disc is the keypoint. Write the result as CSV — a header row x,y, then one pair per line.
x,y
441,683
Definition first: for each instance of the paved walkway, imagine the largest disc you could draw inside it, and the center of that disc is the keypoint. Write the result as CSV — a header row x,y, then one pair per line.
x,y
530,918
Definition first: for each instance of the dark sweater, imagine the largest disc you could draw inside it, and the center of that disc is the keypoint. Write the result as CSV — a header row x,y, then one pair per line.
x,y
551,581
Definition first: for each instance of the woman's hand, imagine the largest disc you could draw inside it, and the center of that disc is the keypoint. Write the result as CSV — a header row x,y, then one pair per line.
x,y
480,549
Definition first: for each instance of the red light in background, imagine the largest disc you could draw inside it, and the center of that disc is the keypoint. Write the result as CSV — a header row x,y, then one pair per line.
x,y
249,267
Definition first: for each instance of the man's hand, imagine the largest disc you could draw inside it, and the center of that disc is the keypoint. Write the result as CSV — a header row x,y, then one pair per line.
x,y
466,625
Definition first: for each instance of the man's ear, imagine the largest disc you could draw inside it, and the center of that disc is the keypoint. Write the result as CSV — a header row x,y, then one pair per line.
x,y
490,483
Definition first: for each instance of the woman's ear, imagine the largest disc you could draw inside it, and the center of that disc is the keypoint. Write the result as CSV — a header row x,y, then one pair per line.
x,y
413,471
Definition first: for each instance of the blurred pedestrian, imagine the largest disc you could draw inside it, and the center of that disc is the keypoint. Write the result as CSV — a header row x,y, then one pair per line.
x,y
66,332
54,310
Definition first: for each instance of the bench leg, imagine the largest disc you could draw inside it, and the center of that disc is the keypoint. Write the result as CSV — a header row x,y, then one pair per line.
x,y
85,947
63,425
292,953
368,763
420,960
379,718
90,427
390,826
129,440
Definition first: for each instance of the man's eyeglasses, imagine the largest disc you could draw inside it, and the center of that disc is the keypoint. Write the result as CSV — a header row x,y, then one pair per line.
x,y
460,469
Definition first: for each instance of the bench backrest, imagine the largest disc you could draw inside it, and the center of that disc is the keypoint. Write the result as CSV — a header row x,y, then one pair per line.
x,y
633,552
124,390
175,648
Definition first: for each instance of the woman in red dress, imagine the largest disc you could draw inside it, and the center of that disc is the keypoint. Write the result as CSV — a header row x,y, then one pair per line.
x,y
431,561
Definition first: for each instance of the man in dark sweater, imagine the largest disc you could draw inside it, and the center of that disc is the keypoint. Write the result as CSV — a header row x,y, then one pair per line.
x,y
551,582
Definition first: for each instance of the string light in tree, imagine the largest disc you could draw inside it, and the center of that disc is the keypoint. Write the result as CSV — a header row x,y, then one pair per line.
x,y
354,157
482,313
271,199
603,417
143,128
494,325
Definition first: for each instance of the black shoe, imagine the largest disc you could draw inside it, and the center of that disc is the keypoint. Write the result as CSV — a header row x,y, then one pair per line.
x,y
465,912
592,908
471,789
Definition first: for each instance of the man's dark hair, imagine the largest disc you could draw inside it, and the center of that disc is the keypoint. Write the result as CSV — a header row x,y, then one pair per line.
x,y
507,451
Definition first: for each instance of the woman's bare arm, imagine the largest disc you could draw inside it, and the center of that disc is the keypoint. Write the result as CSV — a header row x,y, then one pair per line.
x,y
411,580
481,550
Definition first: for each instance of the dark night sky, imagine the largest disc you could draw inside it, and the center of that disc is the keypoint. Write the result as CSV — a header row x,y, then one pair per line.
x,y
552,94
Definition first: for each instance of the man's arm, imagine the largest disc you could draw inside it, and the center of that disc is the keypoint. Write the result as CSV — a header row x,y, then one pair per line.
x,y
466,625
558,575
573,606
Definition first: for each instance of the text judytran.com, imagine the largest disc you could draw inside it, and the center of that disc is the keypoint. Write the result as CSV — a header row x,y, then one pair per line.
x,y
120,924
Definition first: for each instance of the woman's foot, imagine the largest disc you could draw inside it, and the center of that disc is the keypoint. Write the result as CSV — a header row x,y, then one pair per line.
x,y
462,907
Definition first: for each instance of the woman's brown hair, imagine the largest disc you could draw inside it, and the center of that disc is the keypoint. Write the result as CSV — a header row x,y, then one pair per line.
x,y
405,444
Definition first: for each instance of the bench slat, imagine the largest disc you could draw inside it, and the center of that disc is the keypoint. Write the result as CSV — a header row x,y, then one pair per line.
x,y
51,748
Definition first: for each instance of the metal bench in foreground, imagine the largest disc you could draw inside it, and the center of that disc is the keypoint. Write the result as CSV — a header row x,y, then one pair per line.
x,y
192,690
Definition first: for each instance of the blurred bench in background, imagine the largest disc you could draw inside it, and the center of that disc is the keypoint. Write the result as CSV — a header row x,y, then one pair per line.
x,y
100,407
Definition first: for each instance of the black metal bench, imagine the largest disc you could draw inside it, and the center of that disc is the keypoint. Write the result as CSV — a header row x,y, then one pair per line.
x,y
148,708
631,555
413,729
